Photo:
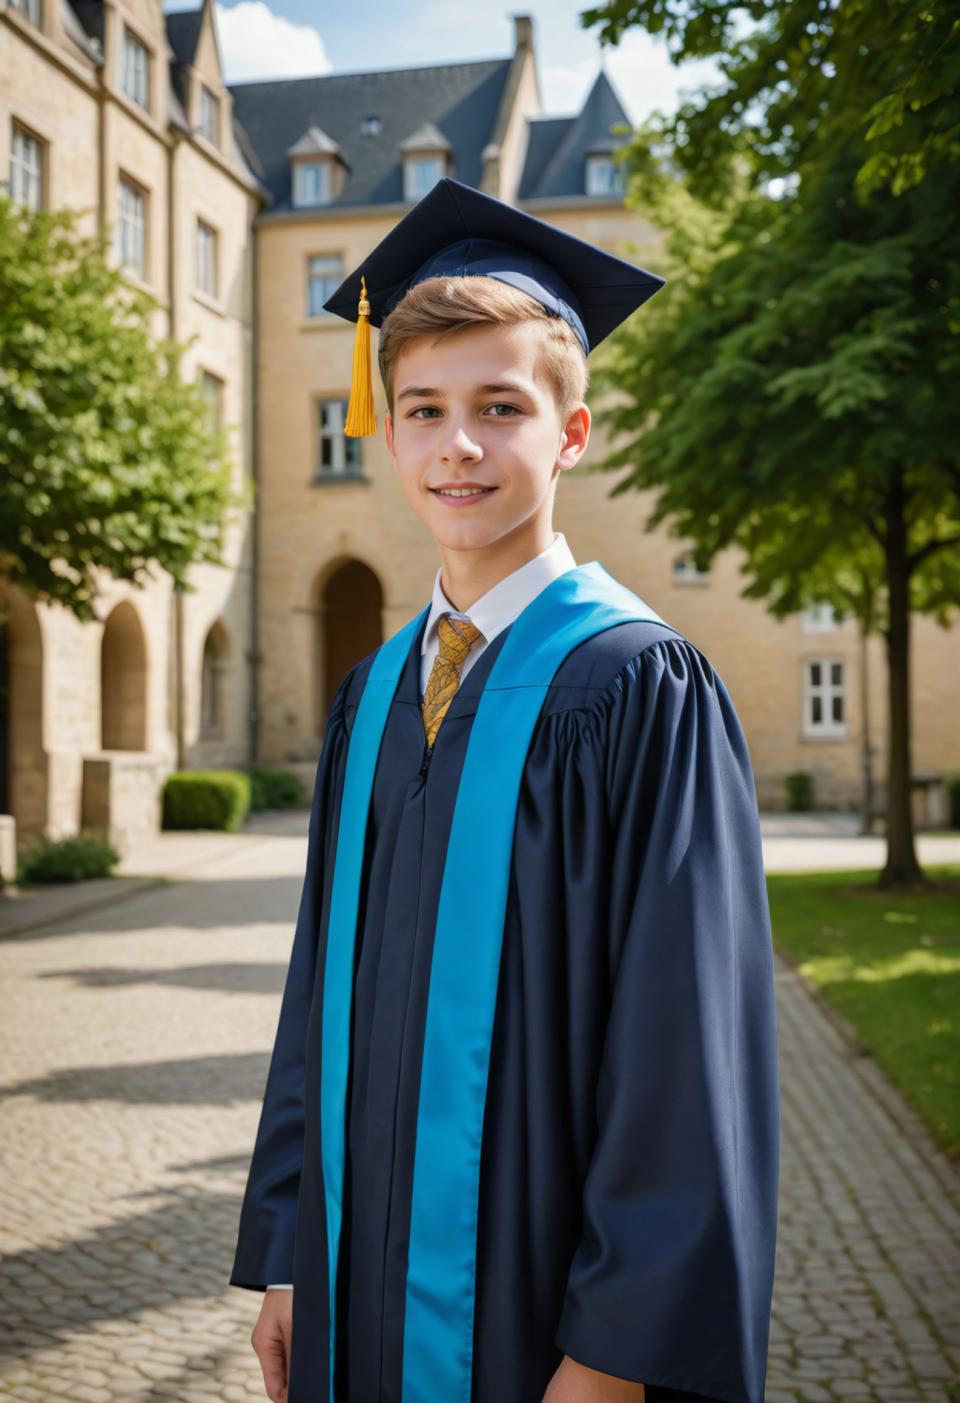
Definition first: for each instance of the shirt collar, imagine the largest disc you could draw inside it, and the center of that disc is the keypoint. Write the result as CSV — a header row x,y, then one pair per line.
x,y
501,604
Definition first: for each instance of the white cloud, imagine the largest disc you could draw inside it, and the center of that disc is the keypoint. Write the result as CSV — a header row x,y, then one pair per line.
x,y
256,43
639,69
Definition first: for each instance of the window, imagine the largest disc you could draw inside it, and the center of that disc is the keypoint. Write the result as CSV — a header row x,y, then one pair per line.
x,y
324,276
370,126
819,618
339,454
30,9
604,176
420,175
311,182
824,698
131,227
212,387
209,115
26,168
134,74
206,263
685,571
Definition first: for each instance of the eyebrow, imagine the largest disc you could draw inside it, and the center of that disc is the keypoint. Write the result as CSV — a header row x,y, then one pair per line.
x,y
508,387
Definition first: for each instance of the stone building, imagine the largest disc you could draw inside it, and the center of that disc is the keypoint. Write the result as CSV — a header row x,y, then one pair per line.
x,y
281,188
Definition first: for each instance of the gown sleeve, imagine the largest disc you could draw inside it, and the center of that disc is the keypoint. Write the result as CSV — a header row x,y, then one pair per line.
x,y
268,1212
671,1281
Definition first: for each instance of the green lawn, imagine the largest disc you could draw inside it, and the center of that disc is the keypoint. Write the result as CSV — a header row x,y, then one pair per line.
x,y
891,965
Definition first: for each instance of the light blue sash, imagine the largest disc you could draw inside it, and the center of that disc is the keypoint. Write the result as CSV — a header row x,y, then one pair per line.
x,y
439,1307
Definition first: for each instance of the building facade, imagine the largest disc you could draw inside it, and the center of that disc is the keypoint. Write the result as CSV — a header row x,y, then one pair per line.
x,y
243,207
121,113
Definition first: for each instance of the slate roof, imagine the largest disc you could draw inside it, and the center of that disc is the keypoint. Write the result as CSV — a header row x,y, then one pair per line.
x,y
559,146
460,99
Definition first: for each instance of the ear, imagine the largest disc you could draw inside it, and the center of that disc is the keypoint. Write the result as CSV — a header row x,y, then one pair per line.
x,y
576,435
388,435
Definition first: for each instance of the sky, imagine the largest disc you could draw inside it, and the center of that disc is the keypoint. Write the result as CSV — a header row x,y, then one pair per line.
x,y
294,39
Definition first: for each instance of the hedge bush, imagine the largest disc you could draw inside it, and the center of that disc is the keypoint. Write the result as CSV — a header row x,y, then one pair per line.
x,y
799,786
77,859
275,789
206,799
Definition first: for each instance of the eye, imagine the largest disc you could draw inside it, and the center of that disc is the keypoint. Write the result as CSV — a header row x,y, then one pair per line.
x,y
512,407
415,412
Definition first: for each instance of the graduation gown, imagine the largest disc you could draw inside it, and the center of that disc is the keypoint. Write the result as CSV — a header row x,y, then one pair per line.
x,y
626,1201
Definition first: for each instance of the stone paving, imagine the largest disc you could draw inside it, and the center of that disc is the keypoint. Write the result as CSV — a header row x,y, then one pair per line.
x,y
135,1040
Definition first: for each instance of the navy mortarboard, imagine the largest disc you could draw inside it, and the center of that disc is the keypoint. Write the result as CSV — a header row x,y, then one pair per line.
x,y
459,231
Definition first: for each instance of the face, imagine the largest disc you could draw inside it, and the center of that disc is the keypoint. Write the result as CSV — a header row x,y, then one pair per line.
x,y
474,410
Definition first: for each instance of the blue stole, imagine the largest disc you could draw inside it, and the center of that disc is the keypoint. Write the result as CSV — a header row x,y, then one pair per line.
x,y
439,1305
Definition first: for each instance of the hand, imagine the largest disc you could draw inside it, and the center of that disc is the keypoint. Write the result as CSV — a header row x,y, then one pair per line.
x,y
578,1383
271,1341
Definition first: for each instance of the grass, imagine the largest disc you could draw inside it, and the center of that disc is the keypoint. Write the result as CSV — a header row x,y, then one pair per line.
x,y
890,963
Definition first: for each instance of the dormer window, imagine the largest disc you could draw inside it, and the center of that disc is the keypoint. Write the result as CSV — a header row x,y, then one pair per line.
x,y
604,176
209,115
30,9
426,158
318,168
311,183
370,126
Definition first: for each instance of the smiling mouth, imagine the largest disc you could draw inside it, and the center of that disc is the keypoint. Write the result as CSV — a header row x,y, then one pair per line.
x,y
462,494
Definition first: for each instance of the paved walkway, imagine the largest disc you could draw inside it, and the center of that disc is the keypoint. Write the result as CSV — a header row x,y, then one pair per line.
x,y
134,1041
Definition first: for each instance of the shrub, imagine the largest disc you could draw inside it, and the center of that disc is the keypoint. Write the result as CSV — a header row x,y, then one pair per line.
x,y
275,789
799,786
206,799
75,859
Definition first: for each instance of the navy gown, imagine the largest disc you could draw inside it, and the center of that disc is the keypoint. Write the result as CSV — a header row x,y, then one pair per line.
x,y
629,1166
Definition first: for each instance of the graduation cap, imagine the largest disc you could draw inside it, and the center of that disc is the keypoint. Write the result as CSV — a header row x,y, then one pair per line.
x,y
459,231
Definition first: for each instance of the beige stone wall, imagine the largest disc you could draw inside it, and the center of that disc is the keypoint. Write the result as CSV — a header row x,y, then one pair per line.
x,y
46,84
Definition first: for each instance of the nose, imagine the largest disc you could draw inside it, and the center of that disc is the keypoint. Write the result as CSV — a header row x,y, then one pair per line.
x,y
458,446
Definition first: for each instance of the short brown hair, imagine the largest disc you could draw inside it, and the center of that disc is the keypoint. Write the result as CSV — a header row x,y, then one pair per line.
x,y
443,305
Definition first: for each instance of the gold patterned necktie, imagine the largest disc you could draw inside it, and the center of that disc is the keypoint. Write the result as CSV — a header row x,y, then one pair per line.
x,y
457,637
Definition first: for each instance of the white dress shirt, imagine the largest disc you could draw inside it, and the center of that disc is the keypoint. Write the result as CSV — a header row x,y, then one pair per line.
x,y
491,614
494,610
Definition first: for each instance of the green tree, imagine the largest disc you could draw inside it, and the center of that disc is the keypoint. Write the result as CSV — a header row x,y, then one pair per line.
x,y
108,461
794,393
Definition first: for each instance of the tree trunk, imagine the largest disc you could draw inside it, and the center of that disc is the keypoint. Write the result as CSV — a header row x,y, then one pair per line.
x,y
902,868
866,752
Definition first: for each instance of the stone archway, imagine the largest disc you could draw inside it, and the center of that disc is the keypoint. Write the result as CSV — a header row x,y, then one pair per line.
x,y
349,613
23,763
123,681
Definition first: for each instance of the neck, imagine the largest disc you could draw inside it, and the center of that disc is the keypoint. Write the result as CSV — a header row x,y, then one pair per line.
x,y
466,575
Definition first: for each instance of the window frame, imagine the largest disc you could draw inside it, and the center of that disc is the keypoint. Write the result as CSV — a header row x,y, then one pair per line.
x,y
344,446
300,168
209,104
411,165
203,226
335,278
825,691
36,178
131,43
125,181
612,187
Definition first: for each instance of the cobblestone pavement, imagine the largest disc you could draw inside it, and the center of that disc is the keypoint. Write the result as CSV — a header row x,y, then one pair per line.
x,y
135,1042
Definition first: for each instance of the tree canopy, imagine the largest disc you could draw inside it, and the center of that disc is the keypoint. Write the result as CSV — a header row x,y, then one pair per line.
x,y
109,460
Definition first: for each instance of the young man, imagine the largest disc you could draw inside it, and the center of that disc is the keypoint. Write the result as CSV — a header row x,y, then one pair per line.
x,y
520,1134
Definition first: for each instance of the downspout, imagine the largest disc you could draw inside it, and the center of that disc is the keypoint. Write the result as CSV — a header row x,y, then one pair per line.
x,y
253,745
179,627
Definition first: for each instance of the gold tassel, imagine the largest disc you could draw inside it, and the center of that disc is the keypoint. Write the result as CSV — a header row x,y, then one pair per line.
x,y
361,416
